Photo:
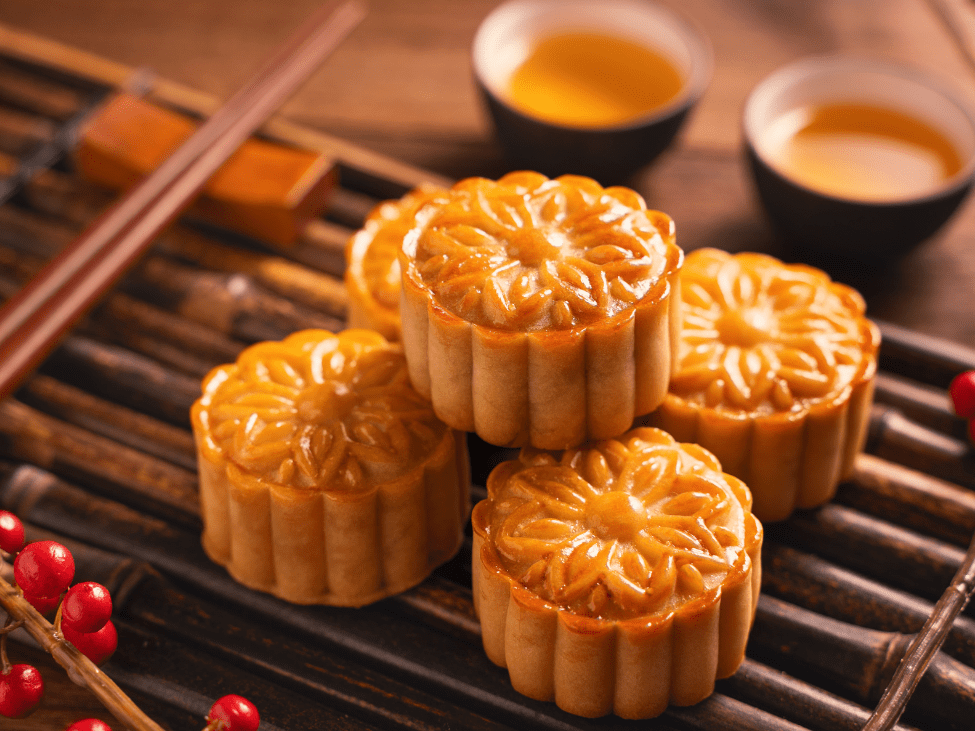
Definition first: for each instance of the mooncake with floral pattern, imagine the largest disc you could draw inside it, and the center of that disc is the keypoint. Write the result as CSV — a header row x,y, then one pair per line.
x,y
775,375
372,276
324,477
540,311
619,577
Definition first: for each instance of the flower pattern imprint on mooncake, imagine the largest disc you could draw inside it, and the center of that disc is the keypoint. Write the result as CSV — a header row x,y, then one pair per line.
x,y
307,413
527,253
618,529
762,336
775,374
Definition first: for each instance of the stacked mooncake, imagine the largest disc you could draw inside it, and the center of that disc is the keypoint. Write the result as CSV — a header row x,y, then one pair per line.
x,y
616,566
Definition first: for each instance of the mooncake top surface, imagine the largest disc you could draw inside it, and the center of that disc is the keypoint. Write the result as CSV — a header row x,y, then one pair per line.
x,y
529,253
762,337
629,527
318,411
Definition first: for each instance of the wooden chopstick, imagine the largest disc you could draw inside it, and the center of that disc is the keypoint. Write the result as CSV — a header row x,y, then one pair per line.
x,y
34,320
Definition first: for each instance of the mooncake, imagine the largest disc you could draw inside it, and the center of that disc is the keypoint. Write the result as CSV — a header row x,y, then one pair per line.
x,y
540,311
775,375
372,275
324,477
618,577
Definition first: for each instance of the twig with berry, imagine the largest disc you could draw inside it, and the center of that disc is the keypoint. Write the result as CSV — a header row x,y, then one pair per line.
x,y
81,638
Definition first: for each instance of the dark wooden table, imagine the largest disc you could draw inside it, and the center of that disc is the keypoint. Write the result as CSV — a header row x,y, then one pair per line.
x,y
401,85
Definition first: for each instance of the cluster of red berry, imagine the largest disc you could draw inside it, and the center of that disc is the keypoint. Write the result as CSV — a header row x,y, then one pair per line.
x,y
43,572
230,713
962,392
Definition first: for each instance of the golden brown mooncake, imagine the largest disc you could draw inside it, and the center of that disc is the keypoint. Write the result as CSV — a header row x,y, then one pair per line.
x,y
775,375
372,275
324,477
619,577
538,311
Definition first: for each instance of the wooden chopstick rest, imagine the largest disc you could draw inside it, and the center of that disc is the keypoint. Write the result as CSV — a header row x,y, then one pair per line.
x,y
265,190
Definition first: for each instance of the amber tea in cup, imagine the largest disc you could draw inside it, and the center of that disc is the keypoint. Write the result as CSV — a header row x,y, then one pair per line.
x,y
588,79
862,151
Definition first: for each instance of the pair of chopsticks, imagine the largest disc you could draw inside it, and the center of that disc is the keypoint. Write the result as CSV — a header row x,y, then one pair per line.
x,y
35,319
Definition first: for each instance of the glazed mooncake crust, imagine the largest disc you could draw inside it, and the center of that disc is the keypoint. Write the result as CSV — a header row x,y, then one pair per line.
x,y
372,274
616,578
775,375
538,311
324,477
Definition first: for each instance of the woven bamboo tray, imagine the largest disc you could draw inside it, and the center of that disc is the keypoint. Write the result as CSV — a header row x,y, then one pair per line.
x,y
95,450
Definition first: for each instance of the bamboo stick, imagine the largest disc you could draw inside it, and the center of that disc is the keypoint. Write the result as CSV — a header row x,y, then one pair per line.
x,y
820,586
119,375
927,405
230,303
40,95
922,357
911,498
190,347
791,698
21,132
76,453
288,279
118,423
39,236
874,547
893,436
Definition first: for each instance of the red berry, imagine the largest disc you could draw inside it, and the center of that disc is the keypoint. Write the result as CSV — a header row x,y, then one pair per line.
x,y
962,392
11,532
44,568
238,713
96,646
20,691
86,607
89,724
43,604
